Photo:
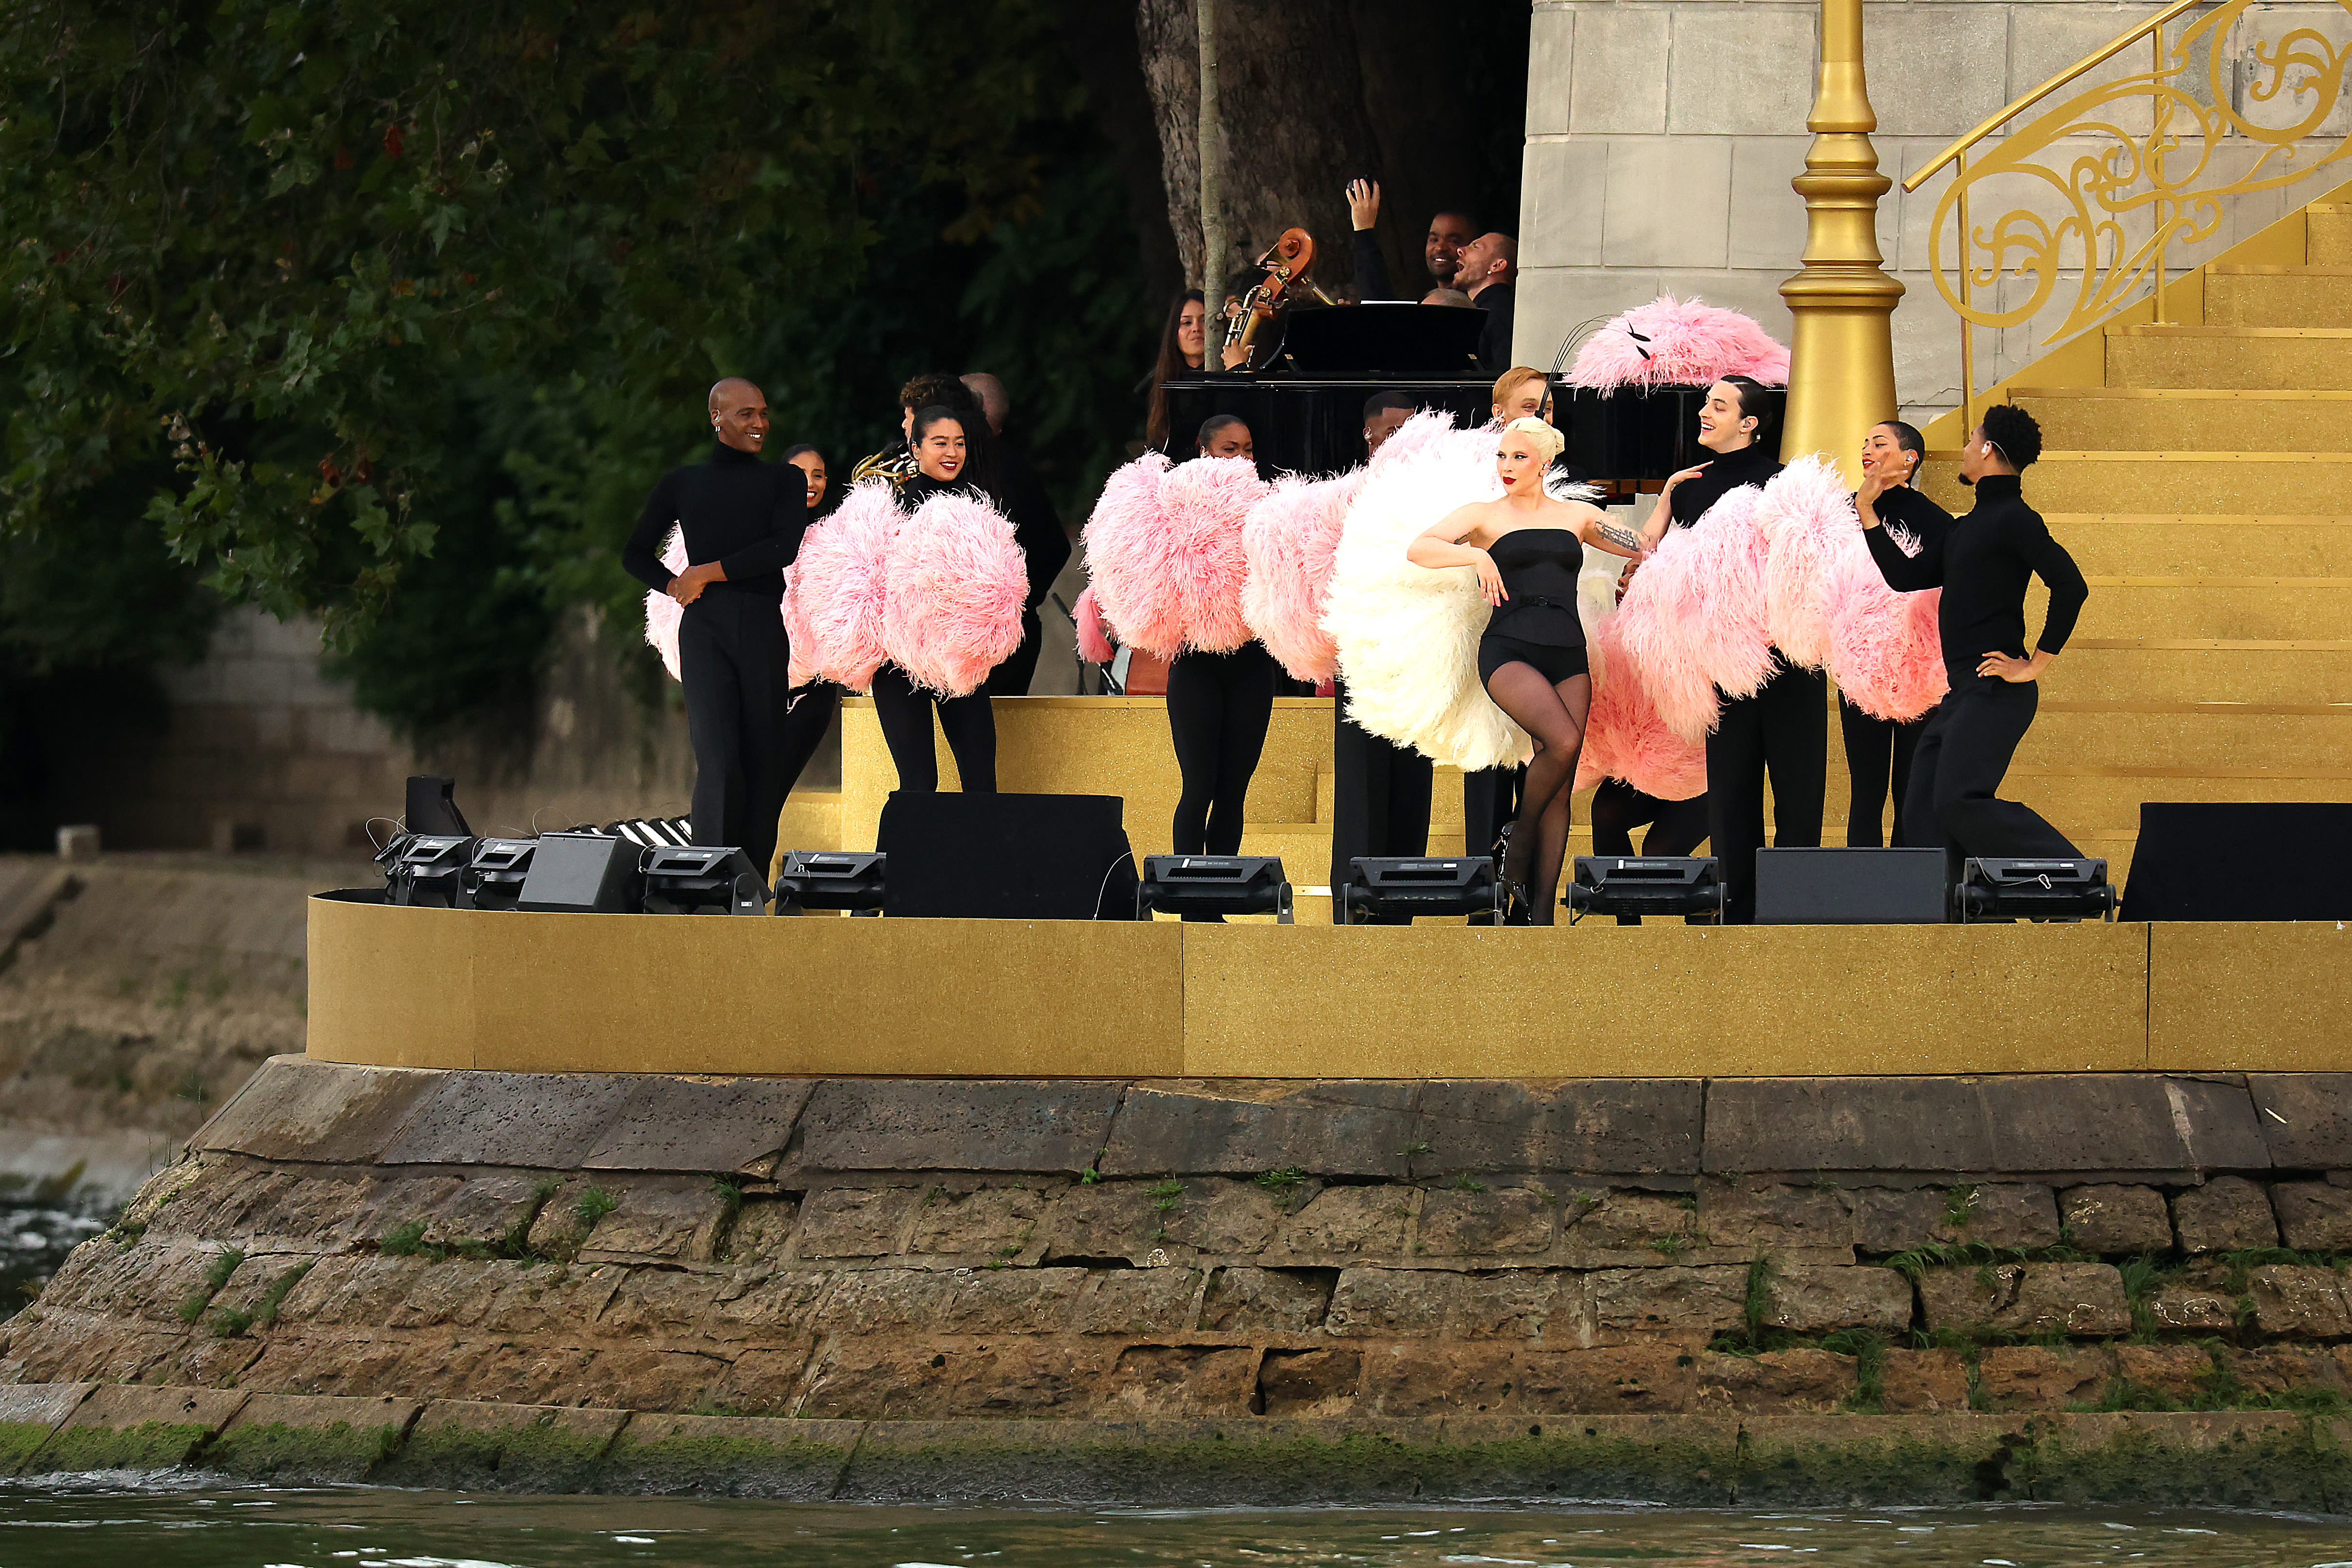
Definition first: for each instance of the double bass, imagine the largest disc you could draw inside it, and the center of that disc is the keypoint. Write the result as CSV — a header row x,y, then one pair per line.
x,y
1285,264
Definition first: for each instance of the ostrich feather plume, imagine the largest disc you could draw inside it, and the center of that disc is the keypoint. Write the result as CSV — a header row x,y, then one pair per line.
x,y
663,614
1125,562
1094,640
1677,342
1693,621
1809,523
1407,637
833,611
1288,541
1204,504
956,583
1886,652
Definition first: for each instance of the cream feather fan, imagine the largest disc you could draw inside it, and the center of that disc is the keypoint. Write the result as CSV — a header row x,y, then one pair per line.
x,y
1407,636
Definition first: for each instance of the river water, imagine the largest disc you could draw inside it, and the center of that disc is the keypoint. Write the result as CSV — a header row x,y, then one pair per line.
x,y
156,1525
35,1238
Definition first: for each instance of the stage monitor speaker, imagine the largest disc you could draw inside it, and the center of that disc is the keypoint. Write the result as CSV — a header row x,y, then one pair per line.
x,y
832,879
1213,885
1851,887
1007,857
432,807
1391,887
2005,888
582,872
2242,860
1636,885
700,879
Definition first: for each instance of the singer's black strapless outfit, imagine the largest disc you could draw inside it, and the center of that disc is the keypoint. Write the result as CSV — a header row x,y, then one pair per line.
x,y
1537,624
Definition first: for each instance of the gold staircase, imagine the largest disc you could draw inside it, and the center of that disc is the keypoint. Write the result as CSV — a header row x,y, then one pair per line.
x,y
2201,477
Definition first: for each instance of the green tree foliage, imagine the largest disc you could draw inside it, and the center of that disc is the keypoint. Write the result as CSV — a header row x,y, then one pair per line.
x,y
340,288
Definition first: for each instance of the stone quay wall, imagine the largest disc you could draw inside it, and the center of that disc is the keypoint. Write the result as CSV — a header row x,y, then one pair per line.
x,y
1344,1256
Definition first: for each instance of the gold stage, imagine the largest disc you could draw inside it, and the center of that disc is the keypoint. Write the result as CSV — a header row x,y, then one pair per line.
x,y
817,995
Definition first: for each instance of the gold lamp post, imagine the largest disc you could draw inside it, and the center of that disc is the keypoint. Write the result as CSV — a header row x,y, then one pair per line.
x,y
1842,368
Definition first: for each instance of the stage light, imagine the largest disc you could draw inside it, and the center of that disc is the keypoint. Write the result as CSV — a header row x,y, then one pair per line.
x,y
1214,884
694,879
1691,887
2008,889
427,870
494,879
1388,886
828,879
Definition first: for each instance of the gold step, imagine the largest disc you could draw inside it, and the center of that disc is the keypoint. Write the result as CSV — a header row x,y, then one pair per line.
x,y
2310,359
2212,609
2172,481
2110,800
2213,544
2327,233
2244,295
2260,737
2202,419
2130,669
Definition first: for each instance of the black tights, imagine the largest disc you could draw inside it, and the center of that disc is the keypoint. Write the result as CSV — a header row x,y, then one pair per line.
x,y
1553,716
903,711
1875,750
1218,708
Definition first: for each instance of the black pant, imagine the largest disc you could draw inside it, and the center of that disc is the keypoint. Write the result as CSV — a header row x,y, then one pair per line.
x,y
1218,708
1011,678
1876,750
1963,752
1379,799
1676,827
1785,728
904,710
814,706
735,665
1490,798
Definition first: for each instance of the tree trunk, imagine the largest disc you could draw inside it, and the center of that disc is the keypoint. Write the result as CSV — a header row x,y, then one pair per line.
x,y
1314,93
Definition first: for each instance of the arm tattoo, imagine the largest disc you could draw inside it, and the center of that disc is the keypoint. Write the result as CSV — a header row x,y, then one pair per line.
x,y
1617,534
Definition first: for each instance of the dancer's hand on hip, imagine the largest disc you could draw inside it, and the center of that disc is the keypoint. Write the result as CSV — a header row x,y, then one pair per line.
x,y
2013,670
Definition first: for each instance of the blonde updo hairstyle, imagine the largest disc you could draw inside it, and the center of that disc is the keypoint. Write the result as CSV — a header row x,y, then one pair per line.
x,y
1546,440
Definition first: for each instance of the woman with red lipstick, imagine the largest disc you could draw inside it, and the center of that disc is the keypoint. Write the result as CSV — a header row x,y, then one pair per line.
x,y
1878,751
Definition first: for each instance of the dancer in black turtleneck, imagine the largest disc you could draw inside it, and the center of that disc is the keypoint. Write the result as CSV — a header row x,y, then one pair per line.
x,y
1981,563
1784,728
743,519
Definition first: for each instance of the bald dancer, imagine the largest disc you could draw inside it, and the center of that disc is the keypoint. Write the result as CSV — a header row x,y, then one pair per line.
x,y
743,519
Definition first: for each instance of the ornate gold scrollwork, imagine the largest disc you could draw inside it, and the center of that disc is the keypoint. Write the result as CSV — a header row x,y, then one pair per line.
x,y
2129,194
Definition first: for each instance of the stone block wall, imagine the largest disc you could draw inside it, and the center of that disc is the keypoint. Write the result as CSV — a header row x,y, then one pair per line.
x,y
1662,137
896,1250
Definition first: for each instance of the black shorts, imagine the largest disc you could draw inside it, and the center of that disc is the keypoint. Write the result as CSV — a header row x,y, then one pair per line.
x,y
1554,662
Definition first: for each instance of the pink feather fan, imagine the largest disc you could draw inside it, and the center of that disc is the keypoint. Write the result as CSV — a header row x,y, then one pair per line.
x,y
1885,653
956,581
1809,525
1204,504
1678,342
1694,619
1093,639
1288,541
1125,564
834,612
663,614
1625,738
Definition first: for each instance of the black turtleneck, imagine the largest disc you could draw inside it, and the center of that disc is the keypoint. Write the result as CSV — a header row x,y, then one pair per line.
x,y
746,515
1751,464
1981,563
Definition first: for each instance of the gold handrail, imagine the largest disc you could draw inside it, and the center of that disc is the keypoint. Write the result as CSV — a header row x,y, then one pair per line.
x,y
2103,199
2087,63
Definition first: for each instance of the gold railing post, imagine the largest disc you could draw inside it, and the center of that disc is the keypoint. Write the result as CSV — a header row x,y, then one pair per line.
x,y
2160,116
1967,328
1842,351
